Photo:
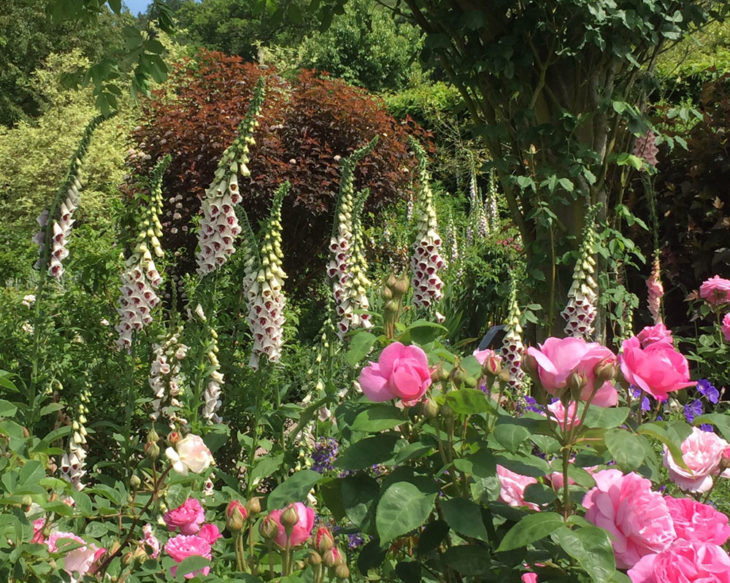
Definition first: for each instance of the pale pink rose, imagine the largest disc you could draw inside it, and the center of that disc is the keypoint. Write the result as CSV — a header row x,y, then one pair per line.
x,y
637,518
190,455
658,369
150,540
79,561
559,358
210,533
301,530
182,546
698,522
529,578
715,291
658,333
490,357
512,488
38,526
187,517
559,414
726,327
702,453
683,562
400,373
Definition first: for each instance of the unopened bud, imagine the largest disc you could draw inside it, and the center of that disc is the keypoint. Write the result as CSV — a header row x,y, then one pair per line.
x,y
529,364
605,370
391,281
289,518
430,408
314,558
401,285
342,572
492,365
333,557
391,306
235,515
323,539
152,450
135,482
268,528
173,437
254,505
386,293
576,384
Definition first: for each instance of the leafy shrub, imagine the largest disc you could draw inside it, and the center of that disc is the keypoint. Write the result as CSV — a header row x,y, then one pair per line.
x,y
307,126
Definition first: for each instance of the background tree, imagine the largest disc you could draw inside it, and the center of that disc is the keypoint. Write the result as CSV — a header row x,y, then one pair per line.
x,y
555,90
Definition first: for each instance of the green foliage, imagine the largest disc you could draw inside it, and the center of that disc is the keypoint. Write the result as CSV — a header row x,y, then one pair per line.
x,y
34,160
365,46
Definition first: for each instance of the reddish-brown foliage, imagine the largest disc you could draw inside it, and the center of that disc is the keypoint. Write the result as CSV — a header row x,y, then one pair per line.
x,y
306,126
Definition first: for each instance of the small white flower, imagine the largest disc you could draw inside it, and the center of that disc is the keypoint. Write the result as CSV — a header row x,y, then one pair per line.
x,y
28,300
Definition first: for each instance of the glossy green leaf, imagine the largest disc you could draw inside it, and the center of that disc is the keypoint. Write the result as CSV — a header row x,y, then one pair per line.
x,y
294,489
625,447
591,547
368,452
464,516
402,508
530,529
378,418
360,346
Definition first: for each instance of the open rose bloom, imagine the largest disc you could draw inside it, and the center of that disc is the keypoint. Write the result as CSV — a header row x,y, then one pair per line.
x,y
187,517
715,291
637,518
182,546
190,455
657,368
79,561
401,373
702,452
683,562
558,359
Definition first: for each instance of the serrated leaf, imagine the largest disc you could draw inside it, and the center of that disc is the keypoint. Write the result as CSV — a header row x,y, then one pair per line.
x,y
359,497
606,417
625,447
468,402
368,452
591,547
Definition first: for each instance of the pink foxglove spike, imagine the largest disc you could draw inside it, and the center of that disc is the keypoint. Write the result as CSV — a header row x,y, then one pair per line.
x,y
655,291
512,346
646,149
580,312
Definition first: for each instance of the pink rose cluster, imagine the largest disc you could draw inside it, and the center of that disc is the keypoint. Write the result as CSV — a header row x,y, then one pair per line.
x,y
658,539
195,538
650,362
401,373
558,360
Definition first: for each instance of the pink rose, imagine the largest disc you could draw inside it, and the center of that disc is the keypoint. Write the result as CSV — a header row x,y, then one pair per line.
x,y
683,562
300,531
210,533
79,561
401,372
182,546
726,327
558,411
699,522
189,455
150,540
187,517
651,334
491,358
702,453
512,488
715,291
559,358
529,578
658,369
637,518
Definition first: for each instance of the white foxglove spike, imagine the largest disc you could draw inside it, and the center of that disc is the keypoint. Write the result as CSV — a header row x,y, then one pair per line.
x,y
426,260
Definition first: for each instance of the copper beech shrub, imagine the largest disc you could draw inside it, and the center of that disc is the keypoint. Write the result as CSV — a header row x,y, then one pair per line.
x,y
307,125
